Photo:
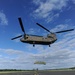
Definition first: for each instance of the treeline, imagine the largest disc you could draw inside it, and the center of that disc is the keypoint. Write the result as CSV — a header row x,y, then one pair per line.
x,y
72,68
12,70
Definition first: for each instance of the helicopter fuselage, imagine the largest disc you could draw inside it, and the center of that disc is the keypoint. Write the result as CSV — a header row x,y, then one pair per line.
x,y
34,39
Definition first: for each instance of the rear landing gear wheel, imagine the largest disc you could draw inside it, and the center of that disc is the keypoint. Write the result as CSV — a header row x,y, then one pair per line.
x,y
33,45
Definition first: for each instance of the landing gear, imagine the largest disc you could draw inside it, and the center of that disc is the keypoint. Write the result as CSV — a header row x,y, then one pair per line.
x,y
33,44
49,45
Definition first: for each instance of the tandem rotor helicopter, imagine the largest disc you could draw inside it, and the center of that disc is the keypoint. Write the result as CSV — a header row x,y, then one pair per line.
x,y
35,39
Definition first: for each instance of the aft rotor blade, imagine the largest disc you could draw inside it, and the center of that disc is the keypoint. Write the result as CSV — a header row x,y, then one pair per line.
x,y
21,24
16,37
42,27
64,31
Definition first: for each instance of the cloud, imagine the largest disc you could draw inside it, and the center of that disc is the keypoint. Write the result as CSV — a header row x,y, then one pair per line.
x,y
31,31
46,8
15,59
51,17
3,19
67,20
70,34
11,52
73,1
59,27
57,59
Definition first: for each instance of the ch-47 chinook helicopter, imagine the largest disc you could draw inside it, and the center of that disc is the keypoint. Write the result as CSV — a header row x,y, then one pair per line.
x,y
35,39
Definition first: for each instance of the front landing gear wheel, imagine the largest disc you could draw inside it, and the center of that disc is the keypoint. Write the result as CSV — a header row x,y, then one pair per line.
x,y
33,44
49,45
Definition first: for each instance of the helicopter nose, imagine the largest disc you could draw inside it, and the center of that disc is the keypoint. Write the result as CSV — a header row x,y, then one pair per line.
x,y
22,39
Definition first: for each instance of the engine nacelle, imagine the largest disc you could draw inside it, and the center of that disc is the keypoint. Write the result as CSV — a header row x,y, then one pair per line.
x,y
52,35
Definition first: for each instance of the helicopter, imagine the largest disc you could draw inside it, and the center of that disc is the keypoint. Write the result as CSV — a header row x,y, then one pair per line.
x,y
36,39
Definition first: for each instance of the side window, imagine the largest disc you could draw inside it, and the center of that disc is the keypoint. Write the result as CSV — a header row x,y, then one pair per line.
x,y
26,37
44,38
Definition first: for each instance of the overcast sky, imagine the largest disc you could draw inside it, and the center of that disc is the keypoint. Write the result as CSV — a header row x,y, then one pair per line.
x,y
55,15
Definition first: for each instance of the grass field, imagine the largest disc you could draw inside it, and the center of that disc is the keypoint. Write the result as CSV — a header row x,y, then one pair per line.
x,y
35,72
52,72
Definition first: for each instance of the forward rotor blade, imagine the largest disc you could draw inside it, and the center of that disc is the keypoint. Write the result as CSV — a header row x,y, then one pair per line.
x,y
42,27
21,24
16,37
64,31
